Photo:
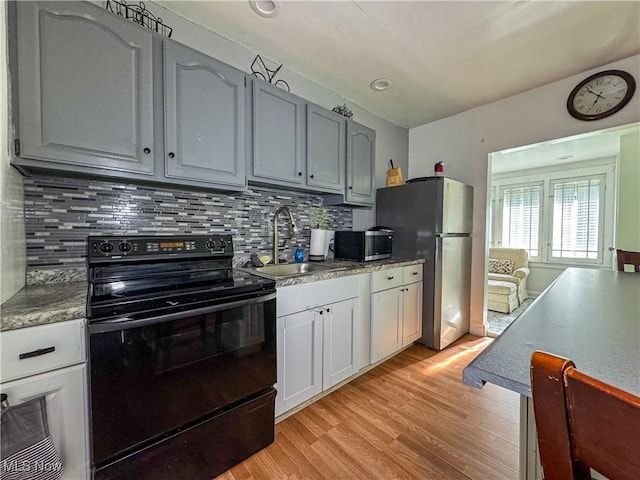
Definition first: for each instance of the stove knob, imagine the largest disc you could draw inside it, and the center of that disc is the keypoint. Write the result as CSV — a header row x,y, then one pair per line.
x,y
223,243
106,247
125,247
211,244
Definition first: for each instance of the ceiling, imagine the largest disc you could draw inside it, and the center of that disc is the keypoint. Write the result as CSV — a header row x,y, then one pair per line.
x,y
443,57
588,146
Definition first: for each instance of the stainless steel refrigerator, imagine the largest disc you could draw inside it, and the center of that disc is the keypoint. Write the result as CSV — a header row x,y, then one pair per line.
x,y
432,219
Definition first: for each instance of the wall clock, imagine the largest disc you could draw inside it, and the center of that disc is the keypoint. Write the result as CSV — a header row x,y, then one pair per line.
x,y
600,95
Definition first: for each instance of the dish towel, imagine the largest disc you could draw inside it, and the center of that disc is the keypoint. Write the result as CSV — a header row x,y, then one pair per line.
x,y
27,450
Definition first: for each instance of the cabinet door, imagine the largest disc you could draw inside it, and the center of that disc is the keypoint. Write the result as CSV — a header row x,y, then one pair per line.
x,y
386,329
65,391
277,135
85,87
299,358
339,359
326,152
411,313
361,154
204,117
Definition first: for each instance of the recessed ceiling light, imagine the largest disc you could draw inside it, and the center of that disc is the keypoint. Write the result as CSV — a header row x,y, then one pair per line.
x,y
265,8
381,84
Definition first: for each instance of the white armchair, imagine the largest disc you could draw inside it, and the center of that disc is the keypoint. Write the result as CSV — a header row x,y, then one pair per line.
x,y
507,277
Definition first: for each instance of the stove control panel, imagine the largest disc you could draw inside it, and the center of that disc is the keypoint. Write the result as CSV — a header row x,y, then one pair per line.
x,y
117,248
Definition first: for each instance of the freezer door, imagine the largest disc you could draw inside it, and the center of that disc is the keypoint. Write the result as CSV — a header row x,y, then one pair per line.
x,y
409,211
452,289
456,208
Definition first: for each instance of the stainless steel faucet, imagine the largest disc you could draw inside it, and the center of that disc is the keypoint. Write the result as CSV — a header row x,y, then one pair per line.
x,y
276,240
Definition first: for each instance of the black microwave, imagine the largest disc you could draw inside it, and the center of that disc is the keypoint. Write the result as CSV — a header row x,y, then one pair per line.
x,y
363,246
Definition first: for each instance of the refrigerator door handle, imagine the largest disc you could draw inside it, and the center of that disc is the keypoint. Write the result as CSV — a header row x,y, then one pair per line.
x,y
451,235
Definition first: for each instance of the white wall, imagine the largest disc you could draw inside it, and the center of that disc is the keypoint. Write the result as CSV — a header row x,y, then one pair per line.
x,y
465,141
629,193
12,240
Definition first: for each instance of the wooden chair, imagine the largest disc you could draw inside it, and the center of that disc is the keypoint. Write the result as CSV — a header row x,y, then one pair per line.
x,y
630,258
583,422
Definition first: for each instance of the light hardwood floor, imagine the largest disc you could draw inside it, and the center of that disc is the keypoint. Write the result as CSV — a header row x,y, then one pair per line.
x,y
409,418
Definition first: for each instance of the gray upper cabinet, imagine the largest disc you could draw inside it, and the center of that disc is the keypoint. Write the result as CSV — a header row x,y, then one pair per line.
x,y
277,136
361,154
85,87
326,151
204,117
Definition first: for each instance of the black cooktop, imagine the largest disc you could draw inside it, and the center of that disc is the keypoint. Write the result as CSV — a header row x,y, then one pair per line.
x,y
138,277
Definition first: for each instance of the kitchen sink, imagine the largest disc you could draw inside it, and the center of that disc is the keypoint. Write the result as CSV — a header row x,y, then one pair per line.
x,y
289,269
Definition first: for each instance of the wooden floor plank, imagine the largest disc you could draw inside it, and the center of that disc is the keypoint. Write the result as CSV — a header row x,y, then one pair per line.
x,y
409,418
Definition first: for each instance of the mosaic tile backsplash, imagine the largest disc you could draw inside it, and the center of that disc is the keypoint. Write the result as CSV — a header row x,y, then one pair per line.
x,y
61,212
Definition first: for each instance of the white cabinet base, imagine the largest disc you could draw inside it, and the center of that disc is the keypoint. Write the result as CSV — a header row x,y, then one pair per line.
x,y
65,391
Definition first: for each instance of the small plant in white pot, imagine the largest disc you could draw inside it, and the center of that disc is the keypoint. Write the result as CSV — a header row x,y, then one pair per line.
x,y
321,236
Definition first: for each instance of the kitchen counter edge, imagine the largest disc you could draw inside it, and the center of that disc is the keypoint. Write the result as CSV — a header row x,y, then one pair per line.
x,y
58,302
43,304
338,268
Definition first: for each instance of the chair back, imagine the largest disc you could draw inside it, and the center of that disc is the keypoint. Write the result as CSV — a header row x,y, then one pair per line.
x,y
628,258
583,423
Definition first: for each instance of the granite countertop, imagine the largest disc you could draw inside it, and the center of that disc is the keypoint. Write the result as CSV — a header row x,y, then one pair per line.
x,y
337,269
41,304
58,302
589,316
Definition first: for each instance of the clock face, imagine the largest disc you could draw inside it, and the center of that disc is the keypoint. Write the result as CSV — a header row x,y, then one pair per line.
x,y
601,95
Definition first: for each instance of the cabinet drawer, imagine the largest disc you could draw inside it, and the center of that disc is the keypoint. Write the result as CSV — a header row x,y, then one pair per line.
x,y
412,274
384,279
297,298
32,350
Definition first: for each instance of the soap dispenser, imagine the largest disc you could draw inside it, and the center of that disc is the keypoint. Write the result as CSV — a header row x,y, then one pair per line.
x,y
299,255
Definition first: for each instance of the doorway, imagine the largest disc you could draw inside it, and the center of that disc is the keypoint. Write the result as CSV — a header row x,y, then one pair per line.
x,y
558,201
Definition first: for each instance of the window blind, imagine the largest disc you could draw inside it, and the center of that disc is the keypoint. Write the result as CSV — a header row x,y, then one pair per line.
x,y
577,221
521,207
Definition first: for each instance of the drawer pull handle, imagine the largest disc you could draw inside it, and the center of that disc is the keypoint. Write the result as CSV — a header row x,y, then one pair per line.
x,y
37,353
4,399
390,278
415,273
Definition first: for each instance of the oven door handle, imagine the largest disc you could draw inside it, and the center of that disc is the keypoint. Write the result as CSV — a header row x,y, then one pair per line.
x,y
107,326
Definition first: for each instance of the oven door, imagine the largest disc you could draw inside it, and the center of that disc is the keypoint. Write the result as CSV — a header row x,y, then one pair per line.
x,y
151,377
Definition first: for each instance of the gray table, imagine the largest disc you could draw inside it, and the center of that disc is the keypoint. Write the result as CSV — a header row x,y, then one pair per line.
x,y
590,316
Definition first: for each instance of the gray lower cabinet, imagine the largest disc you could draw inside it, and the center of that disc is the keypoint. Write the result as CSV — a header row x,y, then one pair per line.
x,y
204,118
85,87
386,323
278,149
326,151
318,332
339,323
316,350
299,358
361,154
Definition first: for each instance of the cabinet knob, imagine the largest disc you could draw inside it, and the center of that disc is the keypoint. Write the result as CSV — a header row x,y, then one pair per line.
x,y
311,176
321,312
299,174
350,188
328,310
171,154
147,150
